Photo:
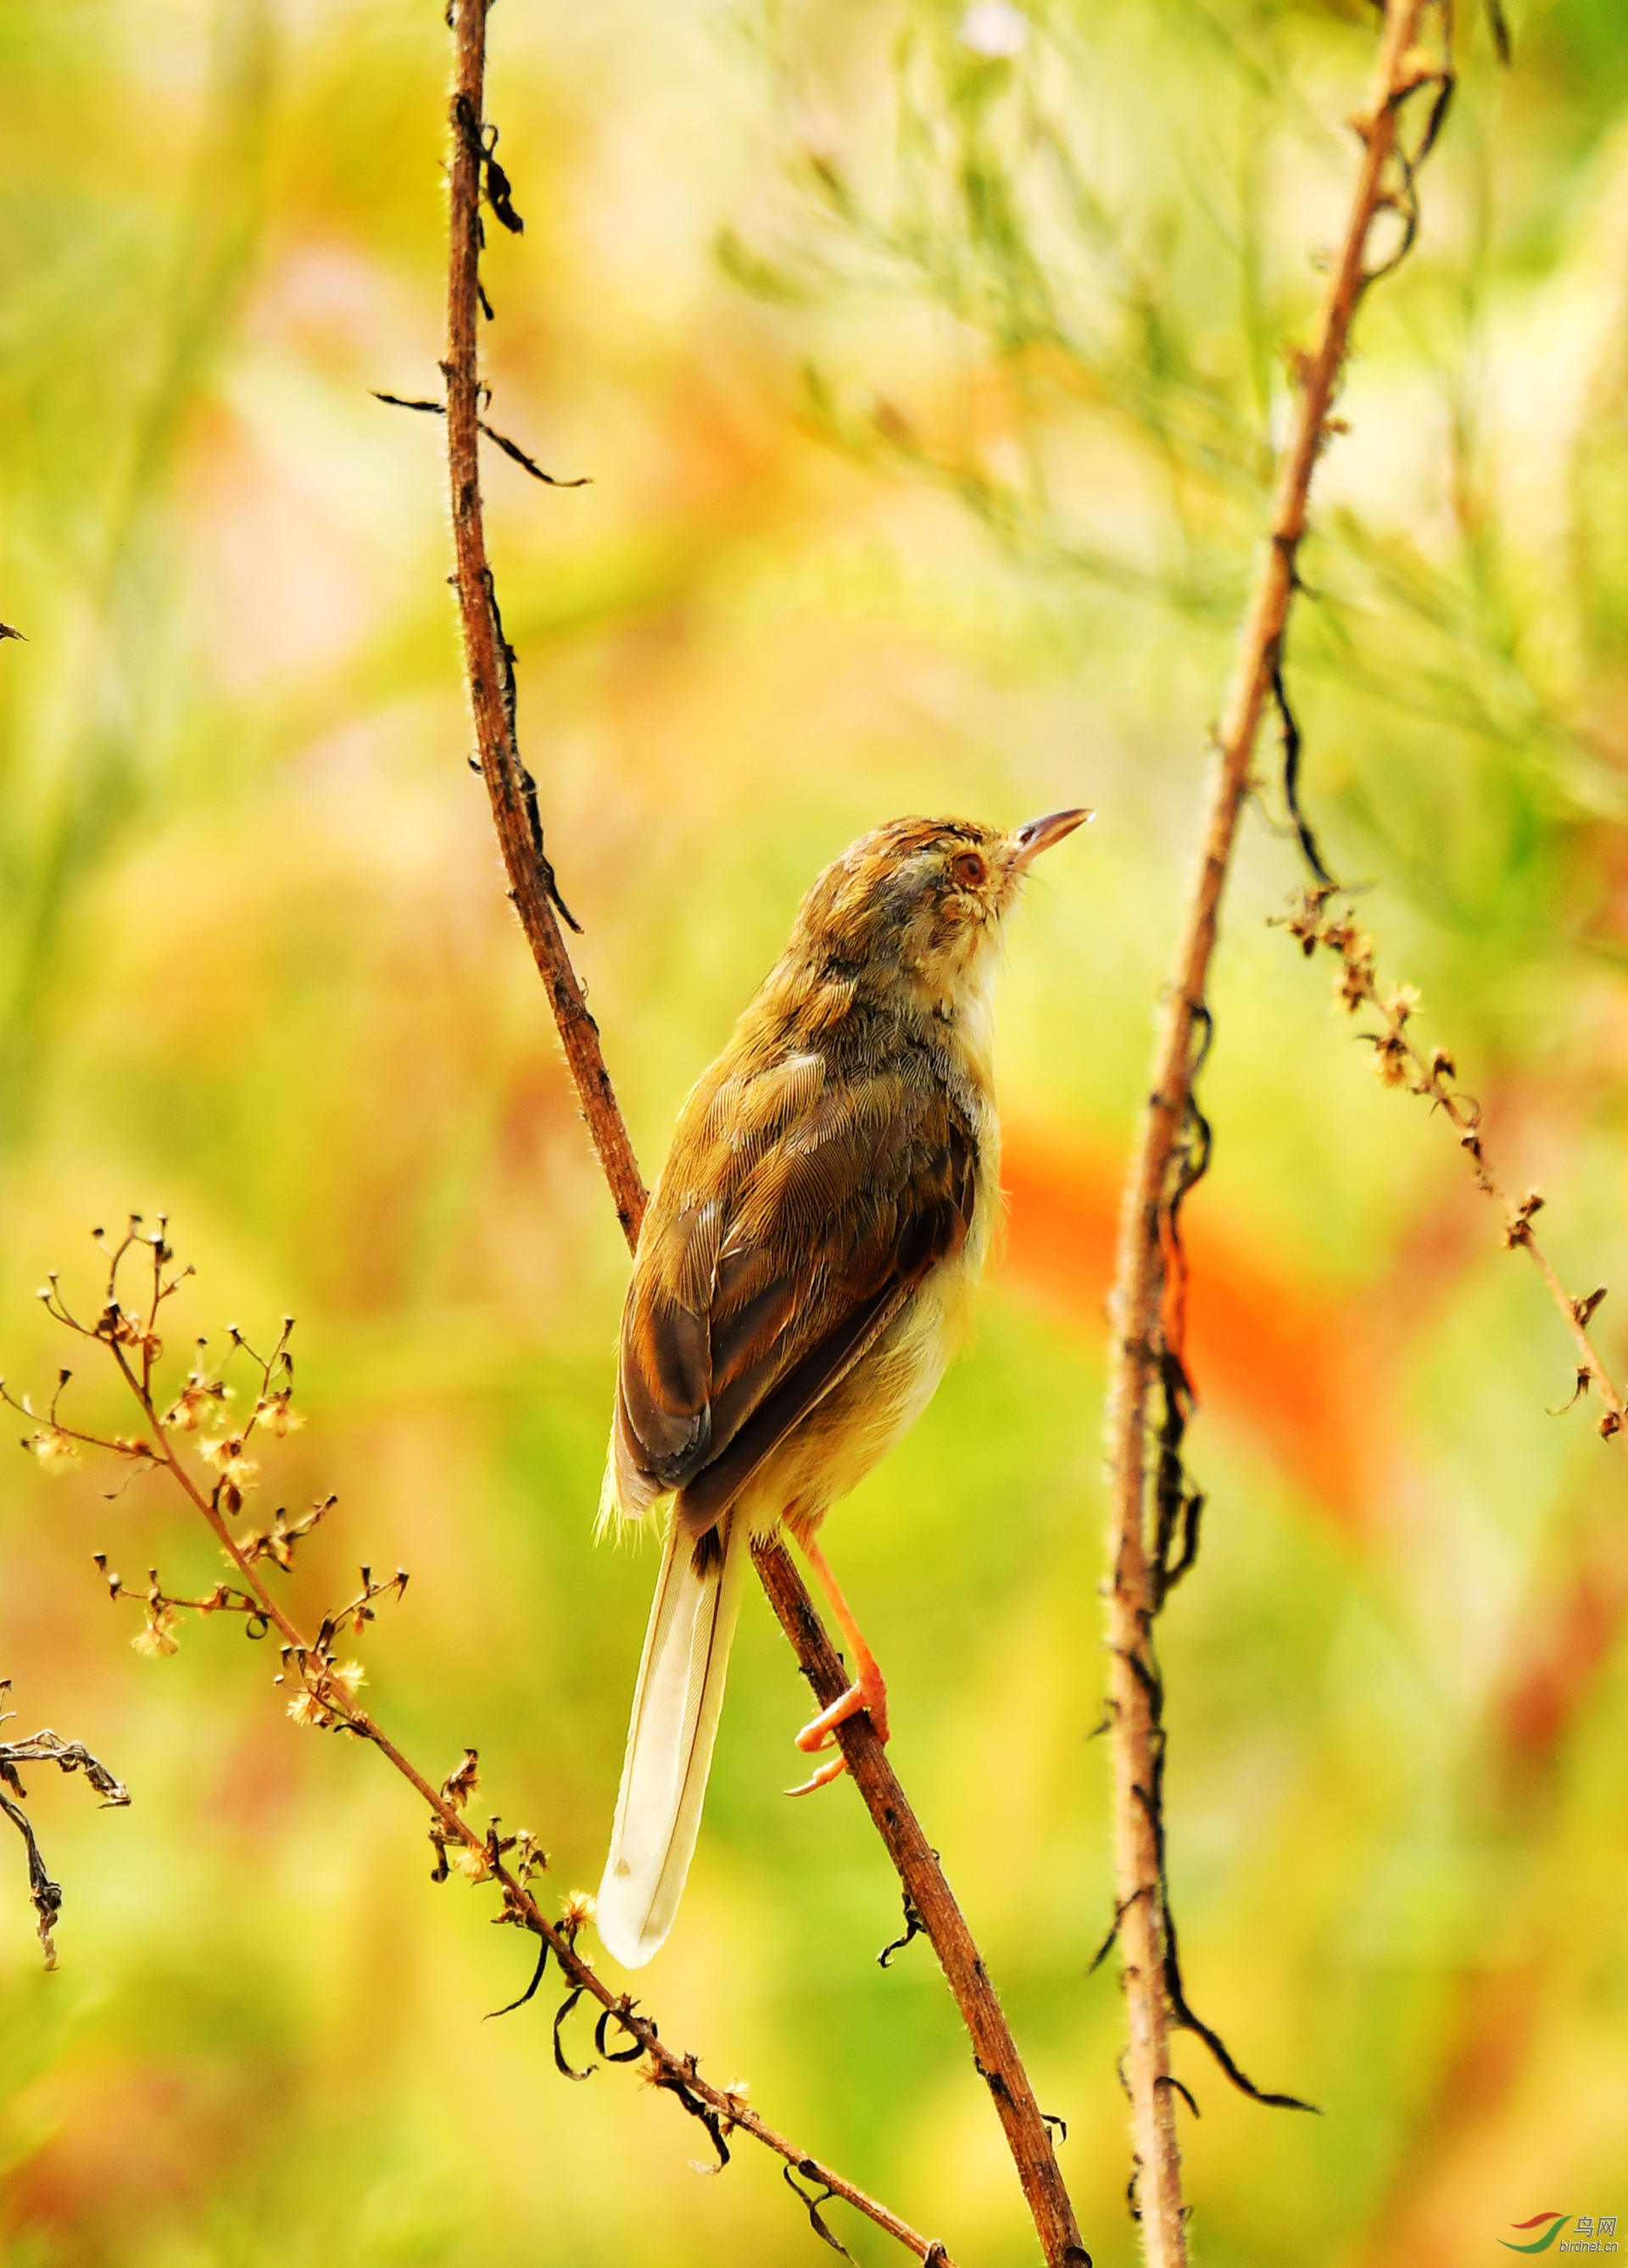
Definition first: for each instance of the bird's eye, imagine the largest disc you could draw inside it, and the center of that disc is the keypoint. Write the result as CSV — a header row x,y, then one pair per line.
x,y
970,870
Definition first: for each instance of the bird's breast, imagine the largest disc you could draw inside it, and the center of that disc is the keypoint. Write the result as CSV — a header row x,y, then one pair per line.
x,y
972,1049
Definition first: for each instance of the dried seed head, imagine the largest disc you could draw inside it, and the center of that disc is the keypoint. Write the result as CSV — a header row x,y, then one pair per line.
x,y
158,1635
272,1412
54,1449
1354,984
199,1398
238,1473
472,1863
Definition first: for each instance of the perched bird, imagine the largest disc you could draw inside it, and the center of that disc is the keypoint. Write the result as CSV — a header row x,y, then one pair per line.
x,y
802,1278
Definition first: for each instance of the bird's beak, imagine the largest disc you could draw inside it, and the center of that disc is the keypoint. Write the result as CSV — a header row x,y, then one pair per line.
x,y
1038,835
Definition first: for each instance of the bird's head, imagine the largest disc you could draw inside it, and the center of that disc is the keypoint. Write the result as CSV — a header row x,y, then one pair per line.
x,y
920,901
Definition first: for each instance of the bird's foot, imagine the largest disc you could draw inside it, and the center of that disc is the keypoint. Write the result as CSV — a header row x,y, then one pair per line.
x,y
868,1691
869,1695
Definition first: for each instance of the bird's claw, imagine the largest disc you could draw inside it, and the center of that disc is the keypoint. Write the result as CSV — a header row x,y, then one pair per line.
x,y
823,1778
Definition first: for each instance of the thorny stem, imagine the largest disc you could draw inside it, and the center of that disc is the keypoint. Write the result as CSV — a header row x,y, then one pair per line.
x,y
1139,1280
487,666
488,663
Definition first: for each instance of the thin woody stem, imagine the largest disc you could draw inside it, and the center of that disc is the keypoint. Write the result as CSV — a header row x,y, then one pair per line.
x,y
1139,1274
486,661
1590,1358
729,2112
994,2051
486,665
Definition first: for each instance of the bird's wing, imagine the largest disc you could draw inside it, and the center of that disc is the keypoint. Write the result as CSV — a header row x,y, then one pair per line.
x,y
796,1215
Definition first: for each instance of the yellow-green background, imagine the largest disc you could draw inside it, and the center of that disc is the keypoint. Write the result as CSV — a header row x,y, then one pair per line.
x,y
937,488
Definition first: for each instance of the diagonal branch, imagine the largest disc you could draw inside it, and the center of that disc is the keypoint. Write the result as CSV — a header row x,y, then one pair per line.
x,y
1147,1250
488,666
1402,1061
932,1903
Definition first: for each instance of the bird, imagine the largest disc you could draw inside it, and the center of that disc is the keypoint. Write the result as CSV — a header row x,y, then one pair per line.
x,y
802,1276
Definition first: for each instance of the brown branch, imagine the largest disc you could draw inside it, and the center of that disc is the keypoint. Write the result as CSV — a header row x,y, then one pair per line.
x,y
488,665
676,2072
488,662
931,1900
1139,1346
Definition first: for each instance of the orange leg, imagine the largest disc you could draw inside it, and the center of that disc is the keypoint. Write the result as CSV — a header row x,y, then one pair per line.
x,y
868,1690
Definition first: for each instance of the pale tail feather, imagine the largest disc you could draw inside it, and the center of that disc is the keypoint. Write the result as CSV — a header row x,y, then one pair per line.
x,y
664,1773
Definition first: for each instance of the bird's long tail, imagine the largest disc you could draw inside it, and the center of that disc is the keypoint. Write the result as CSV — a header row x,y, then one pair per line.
x,y
675,1710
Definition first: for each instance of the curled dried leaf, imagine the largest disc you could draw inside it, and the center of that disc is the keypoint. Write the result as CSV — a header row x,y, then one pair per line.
x,y
462,1782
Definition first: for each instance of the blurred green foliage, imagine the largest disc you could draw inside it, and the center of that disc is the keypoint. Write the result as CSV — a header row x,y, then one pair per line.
x,y
953,507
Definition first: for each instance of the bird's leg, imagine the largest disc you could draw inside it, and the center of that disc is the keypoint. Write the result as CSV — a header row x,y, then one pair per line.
x,y
868,1691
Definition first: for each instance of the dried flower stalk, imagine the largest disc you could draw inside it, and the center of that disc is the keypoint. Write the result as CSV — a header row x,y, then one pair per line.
x,y
1400,1061
324,1689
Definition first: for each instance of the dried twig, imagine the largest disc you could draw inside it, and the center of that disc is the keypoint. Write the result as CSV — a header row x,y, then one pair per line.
x,y
510,449
1149,1271
47,1748
488,666
324,1689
